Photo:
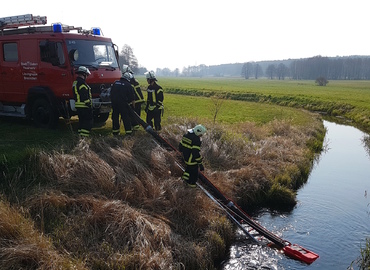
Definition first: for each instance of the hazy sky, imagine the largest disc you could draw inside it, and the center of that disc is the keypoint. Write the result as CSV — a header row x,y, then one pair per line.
x,y
181,33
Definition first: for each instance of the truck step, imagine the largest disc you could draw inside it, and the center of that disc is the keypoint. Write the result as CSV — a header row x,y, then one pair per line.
x,y
17,111
15,114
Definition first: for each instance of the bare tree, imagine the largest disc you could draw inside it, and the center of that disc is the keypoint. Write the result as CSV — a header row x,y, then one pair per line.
x,y
217,101
127,57
282,71
258,72
271,71
247,70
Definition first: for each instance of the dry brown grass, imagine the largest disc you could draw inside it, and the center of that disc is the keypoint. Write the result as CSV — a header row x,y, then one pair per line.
x,y
115,203
118,204
23,247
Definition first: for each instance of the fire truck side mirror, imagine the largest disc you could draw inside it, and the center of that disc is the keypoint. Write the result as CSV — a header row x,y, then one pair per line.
x,y
115,47
73,55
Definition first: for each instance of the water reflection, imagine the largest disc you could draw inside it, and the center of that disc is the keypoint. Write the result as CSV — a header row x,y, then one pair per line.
x,y
366,142
245,254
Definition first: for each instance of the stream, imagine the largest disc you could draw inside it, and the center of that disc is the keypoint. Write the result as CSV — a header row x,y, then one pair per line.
x,y
332,216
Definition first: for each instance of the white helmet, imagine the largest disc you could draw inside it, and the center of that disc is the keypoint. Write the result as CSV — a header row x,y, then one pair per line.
x,y
150,75
126,68
199,130
83,70
127,75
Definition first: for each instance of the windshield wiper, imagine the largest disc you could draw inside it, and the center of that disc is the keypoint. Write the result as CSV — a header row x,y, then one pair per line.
x,y
110,68
92,66
89,66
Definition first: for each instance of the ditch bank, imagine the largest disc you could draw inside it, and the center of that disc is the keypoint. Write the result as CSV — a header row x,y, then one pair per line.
x,y
114,203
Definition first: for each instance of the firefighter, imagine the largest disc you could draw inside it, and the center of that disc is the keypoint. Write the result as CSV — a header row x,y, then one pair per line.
x,y
83,103
154,104
122,96
139,98
189,146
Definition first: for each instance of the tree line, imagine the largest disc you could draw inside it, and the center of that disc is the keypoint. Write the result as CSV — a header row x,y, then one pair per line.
x,y
339,68
329,68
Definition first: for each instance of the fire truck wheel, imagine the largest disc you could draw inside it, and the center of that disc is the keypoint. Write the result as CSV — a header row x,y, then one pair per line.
x,y
43,115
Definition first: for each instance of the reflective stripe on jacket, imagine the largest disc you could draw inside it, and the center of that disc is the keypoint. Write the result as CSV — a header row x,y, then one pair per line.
x,y
190,148
82,93
155,97
139,98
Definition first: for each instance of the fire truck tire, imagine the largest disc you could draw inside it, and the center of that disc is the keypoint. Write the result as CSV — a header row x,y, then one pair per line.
x,y
43,114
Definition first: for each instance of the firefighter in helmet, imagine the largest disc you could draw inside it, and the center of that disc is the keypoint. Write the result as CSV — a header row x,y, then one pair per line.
x,y
83,101
122,96
139,98
189,146
154,103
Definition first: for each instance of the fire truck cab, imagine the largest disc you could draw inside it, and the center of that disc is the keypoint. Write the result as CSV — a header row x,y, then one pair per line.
x,y
38,65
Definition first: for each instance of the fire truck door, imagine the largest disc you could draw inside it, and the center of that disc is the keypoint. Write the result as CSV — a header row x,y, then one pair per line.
x,y
54,69
11,79
29,64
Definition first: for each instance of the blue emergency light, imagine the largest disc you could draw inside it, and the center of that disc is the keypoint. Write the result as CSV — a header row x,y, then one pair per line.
x,y
57,28
96,31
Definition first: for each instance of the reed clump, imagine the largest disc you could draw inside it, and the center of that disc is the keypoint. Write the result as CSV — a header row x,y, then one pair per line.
x,y
259,165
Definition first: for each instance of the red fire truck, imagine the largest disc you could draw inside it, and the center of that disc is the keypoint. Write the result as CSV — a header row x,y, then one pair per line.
x,y
38,65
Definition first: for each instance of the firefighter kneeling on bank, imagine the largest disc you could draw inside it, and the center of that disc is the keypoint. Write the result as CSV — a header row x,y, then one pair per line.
x,y
190,149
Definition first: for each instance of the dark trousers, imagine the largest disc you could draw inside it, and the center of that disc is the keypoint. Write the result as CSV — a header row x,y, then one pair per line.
x,y
137,109
85,121
156,115
191,174
123,111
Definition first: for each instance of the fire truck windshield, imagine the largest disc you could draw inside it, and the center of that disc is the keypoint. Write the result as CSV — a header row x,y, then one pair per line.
x,y
93,53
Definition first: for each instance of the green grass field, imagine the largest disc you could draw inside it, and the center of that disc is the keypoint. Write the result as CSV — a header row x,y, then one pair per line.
x,y
231,111
355,93
349,99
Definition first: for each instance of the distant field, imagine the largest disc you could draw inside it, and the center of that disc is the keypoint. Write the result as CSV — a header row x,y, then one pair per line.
x,y
356,93
350,99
